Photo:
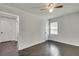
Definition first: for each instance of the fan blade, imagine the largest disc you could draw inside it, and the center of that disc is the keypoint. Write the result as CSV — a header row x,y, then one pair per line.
x,y
59,6
43,9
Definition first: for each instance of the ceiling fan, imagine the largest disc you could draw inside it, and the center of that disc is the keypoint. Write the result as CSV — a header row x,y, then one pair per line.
x,y
51,6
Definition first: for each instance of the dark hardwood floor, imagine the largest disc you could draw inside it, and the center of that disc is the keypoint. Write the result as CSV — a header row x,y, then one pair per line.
x,y
8,48
50,48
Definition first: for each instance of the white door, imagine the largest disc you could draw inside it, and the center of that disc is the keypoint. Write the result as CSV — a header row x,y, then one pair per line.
x,y
7,29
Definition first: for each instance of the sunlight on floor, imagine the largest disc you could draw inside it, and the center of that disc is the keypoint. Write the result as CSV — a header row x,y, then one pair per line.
x,y
54,50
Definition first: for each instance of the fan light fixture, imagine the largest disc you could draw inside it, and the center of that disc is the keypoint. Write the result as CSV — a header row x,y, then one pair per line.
x,y
51,7
51,10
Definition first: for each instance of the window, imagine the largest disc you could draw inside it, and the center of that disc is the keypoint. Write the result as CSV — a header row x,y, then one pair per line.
x,y
54,28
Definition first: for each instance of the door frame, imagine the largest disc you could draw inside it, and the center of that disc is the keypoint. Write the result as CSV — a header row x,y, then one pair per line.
x,y
13,17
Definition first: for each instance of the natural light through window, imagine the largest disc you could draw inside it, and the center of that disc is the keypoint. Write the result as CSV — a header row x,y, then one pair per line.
x,y
54,28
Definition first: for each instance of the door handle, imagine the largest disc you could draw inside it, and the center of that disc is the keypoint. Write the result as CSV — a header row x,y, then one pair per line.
x,y
1,32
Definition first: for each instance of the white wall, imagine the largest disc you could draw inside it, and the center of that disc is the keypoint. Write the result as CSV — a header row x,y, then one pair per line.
x,y
31,28
68,29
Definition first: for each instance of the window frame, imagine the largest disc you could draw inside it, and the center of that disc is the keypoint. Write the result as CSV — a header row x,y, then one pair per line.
x,y
53,28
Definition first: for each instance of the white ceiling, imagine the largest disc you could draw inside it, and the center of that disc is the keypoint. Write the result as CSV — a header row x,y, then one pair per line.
x,y
35,9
